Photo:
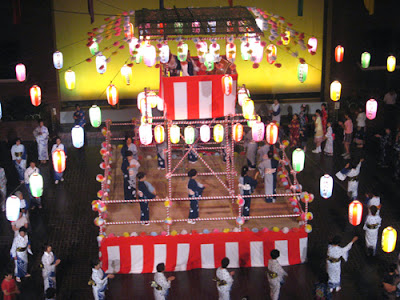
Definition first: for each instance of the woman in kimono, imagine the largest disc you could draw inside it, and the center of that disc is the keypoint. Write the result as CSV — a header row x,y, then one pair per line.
x,y
371,228
276,275
130,167
129,146
58,145
18,154
251,150
333,261
294,131
351,173
99,281
328,149
267,169
41,134
319,133
49,262
224,280
161,284
19,252
3,188
247,185
195,190
276,112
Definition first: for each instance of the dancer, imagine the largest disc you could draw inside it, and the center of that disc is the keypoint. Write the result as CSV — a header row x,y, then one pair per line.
x,y
351,173
267,170
146,191
41,134
371,228
58,176
130,167
348,134
161,284
19,252
18,155
28,173
9,287
129,146
333,261
22,221
324,117
161,155
247,185
329,136
195,190
99,281
386,143
251,150
276,112
319,133
79,116
263,150
294,131
3,188
224,280
49,262
276,275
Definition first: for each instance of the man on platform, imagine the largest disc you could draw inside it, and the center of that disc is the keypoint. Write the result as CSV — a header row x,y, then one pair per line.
x,y
79,116
267,169
130,167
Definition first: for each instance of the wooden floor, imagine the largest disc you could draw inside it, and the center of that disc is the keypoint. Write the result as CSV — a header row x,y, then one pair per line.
x,y
180,209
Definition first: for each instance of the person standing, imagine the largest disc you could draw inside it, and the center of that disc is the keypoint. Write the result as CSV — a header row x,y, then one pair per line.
x,y
251,150
49,262
129,146
276,112
319,133
146,191
161,284
276,275
130,167
28,173
348,135
41,134
361,122
385,143
58,176
333,261
19,252
294,127
22,221
263,150
371,228
390,282
224,280
247,185
195,190
324,117
328,149
390,110
23,205
3,188
267,169
9,287
18,154
161,148
79,116
352,174
99,281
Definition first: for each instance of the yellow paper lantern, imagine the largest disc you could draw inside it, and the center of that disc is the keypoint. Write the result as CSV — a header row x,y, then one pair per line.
x,y
336,89
69,77
389,239
175,134
237,132
159,134
391,63
218,133
286,39
248,108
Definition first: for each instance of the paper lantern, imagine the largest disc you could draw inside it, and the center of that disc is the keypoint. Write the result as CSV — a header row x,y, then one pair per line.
x,y
145,134
1,112
214,51
231,52
371,107
36,95
312,43
227,84
112,95
20,72
95,116
355,212
326,186
339,53
36,185
164,54
69,77
205,133
245,50
298,158
126,73
58,160
336,89
13,205
218,133
175,134
94,47
302,71
141,102
149,55
391,63
389,239
209,62
271,53
286,39
257,52
189,135
159,134
365,60
152,99
160,103
271,133
58,60
242,95
258,131
237,132
248,108
101,63
201,50
132,45
78,136
129,30
183,52
253,119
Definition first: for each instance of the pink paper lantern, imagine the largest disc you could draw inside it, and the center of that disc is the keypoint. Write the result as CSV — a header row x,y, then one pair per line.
x,y
258,131
371,107
20,72
312,43
149,55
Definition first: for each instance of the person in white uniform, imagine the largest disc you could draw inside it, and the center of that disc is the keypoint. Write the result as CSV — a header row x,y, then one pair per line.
x,y
41,134
49,263
161,284
352,174
99,281
224,280
371,228
276,112
18,154
275,274
58,176
19,252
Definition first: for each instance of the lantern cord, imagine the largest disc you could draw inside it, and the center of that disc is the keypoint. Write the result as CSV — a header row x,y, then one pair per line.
x,y
80,12
59,48
290,51
110,5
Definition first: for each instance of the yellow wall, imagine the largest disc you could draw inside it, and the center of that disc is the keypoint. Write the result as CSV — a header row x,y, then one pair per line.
x,y
267,79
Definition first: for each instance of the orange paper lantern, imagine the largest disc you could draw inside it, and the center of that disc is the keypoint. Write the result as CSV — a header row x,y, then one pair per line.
x,y
227,84
237,132
112,95
271,133
339,53
355,212
36,95
59,160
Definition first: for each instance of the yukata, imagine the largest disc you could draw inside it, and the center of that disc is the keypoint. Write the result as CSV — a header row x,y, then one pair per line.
x,y
49,270
251,150
80,119
267,169
374,201
264,151
20,222
371,228
276,276
161,154
352,175
322,292
28,173
324,119
294,133
276,113
195,190
100,284
146,191
333,263
132,147
130,178
19,249
58,175
3,185
18,153
161,287
328,149
303,120
192,156
247,185
224,283
41,135
319,133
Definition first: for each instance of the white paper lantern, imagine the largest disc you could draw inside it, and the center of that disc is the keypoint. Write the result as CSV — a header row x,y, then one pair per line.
x,y
215,50
78,136
243,94
145,134
149,55
164,54
257,52
205,133
20,72
13,205
58,60
326,186
101,63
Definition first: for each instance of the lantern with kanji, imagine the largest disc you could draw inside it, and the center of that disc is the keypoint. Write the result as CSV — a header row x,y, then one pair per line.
x,y
286,38
58,60
298,157
326,186
355,212
145,134
175,134
94,47
389,239
36,185
95,116
257,131
78,136
205,133
231,52
248,108
20,72
69,77
271,133
209,62
214,49
227,84
159,134
271,53
58,160
218,133
164,54
242,95
339,53
149,55
336,89
112,95
237,132
182,51
391,63
257,52
126,73
101,63
365,60
189,135
245,50
13,205
36,95
371,107
302,71
312,44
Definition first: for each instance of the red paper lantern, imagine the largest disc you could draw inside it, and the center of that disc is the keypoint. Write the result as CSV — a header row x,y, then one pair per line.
x,y
339,53
227,84
271,133
355,212
237,132
59,160
36,95
112,95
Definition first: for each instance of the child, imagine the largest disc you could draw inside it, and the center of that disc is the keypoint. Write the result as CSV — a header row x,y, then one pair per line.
x,y
371,227
146,191
161,284
58,145
352,173
9,287
348,134
224,279
247,185
319,133
195,190
294,131
28,172
328,149
275,275
130,167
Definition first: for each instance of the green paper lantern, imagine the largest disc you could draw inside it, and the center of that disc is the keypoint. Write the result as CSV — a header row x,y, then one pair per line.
x,y
365,60
209,62
94,48
298,157
95,116
36,185
302,71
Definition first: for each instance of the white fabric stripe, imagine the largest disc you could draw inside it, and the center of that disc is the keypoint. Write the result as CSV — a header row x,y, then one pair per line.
x,y
114,262
182,257
229,101
282,246
205,99
232,252
207,256
180,100
257,254
136,259
303,249
160,255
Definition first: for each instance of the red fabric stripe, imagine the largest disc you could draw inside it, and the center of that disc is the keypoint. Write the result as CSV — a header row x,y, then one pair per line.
x,y
169,98
193,99
244,254
294,251
194,261
217,98
172,251
125,258
219,253
148,257
104,256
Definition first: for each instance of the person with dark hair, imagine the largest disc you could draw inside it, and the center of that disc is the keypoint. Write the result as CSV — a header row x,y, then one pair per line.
x,y
294,127
329,137
195,190
276,112
161,284
247,185
50,294
22,221
263,150
275,274
20,248
321,289
99,280
28,173
9,287
49,262
146,191
333,261
224,280
319,132
372,198
161,148
371,228
348,134
351,172
267,169
324,117
58,176
79,116
390,281
41,134
250,147
130,168
129,146
18,154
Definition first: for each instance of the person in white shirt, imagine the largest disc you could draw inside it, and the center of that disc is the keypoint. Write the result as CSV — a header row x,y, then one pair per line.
x,y
371,228
58,176
28,172
276,112
18,155
161,284
224,280
99,281
359,137
19,252
22,221
276,275
49,262
41,134
351,173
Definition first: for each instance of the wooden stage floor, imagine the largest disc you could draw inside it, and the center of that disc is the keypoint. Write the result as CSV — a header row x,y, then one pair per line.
x,y
180,209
